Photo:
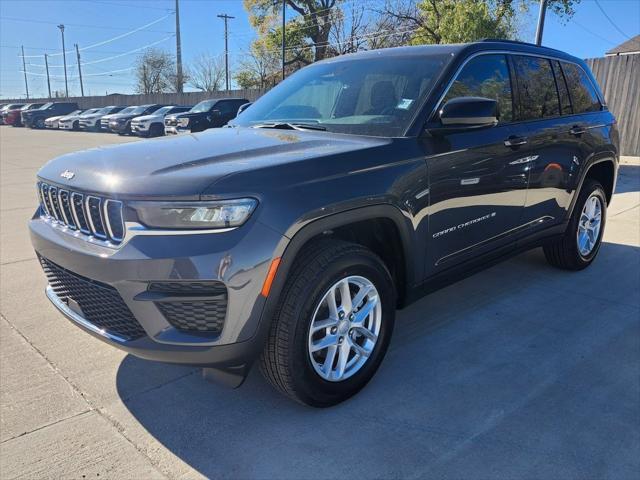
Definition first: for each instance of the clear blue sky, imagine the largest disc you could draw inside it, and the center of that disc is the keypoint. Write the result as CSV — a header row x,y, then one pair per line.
x,y
32,23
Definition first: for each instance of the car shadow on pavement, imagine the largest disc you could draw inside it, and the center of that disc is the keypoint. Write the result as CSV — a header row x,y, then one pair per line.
x,y
521,369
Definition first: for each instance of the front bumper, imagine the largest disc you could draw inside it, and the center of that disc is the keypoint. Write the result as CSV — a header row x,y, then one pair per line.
x,y
140,129
239,258
88,124
65,126
117,127
175,130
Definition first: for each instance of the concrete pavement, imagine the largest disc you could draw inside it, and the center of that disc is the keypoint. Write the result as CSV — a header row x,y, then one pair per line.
x,y
521,371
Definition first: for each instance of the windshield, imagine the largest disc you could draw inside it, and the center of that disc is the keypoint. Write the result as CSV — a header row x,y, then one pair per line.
x,y
126,110
138,110
46,105
104,110
90,111
162,111
203,106
364,96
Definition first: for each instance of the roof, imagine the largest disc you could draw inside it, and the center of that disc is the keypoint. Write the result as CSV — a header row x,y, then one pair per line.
x,y
630,46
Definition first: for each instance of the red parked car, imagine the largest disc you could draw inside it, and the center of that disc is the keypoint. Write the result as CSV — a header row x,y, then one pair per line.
x,y
17,120
10,112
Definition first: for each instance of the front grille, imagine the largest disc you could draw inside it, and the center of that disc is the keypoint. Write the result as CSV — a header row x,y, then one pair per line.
x,y
101,304
91,215
192,306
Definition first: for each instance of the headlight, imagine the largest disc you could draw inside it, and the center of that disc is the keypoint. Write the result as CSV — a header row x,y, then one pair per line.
x,y
183,122
192,215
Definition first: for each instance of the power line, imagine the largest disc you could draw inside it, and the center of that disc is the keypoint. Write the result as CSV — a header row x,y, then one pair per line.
x,y
101,60
593,33
611,21
75,25
104,42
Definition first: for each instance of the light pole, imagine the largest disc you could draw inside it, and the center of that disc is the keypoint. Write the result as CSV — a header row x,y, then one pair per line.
x,y
541,15
64,60
226,17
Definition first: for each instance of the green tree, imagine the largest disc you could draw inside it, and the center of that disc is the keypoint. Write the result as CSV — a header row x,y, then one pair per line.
x,y
454,21
316,18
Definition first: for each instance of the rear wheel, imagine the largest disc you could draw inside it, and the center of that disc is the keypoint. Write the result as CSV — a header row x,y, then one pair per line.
x,y
581,241
333,324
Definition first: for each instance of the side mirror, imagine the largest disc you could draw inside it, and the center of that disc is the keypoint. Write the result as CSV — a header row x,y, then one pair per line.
x,y
467,113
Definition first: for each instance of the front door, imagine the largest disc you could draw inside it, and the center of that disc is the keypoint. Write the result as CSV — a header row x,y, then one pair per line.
x,y
477,179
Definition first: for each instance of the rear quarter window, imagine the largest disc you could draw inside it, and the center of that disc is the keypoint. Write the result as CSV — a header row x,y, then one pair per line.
x,y
537,94
583,95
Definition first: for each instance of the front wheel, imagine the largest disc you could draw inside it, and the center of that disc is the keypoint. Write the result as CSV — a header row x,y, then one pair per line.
x,y
332,326
40,123
580,244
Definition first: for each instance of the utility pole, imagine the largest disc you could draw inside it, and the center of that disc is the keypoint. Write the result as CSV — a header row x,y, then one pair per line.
x,y
79,69
541,15
64,59
284,28
24,69
179,79
226,46
46,64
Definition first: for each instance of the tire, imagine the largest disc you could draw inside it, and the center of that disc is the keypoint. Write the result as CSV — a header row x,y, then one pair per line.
x,y
567,252
39,123
156,130
287,362
76,125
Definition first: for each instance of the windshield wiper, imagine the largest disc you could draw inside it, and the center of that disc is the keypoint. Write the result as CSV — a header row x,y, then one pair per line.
x,y
291,126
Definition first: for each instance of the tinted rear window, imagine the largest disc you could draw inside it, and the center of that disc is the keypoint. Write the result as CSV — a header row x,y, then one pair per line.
x,y
537,94
583,94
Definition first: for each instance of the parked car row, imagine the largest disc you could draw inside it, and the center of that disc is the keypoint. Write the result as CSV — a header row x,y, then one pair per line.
x,y
151,120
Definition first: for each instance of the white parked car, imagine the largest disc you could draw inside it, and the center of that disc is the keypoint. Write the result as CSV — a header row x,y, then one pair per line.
x,y
52,122
92,121
72,122
152,125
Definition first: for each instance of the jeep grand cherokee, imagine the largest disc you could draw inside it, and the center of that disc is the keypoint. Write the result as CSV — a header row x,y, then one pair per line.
x,y
349,190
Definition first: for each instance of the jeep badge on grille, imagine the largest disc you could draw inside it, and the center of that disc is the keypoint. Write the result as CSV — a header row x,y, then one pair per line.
x,y
68,174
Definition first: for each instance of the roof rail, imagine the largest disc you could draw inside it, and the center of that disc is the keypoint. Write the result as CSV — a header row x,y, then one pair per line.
x,y
503,40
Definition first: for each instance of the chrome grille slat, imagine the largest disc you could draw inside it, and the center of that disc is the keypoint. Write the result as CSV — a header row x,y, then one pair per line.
x,y
97,217
93,207
78,214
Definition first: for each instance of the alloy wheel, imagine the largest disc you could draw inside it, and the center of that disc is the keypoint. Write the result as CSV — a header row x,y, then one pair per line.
x,y
345,328
589,225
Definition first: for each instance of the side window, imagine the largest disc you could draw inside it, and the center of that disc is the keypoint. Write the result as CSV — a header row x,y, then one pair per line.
x,y
537,94
224,107
485,76
583,95
565,101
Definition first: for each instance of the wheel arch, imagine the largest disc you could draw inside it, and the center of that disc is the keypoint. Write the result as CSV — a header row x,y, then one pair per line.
x,y
344,225
603,169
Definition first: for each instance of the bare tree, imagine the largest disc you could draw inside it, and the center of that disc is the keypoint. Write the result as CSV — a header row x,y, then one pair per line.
x,y
258,67
207,73
348,35
155,72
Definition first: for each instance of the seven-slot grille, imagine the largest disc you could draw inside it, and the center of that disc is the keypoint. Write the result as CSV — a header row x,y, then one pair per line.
x,y
91,215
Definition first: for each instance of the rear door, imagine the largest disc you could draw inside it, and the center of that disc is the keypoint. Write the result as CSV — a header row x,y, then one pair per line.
x,y
557,135
477,178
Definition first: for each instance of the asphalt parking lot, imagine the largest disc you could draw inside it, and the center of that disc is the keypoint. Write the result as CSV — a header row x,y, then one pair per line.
x,y
521,371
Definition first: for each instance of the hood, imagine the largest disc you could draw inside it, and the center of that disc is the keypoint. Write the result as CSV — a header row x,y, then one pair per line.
x,y
182,167
126,116
53,119
190,114
147,118
66,118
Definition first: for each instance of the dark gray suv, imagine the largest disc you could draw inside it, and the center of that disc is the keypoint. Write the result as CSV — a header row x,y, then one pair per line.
x,y
348,191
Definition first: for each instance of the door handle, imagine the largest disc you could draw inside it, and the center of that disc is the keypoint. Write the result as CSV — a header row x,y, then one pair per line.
x,y
514,141
577,130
